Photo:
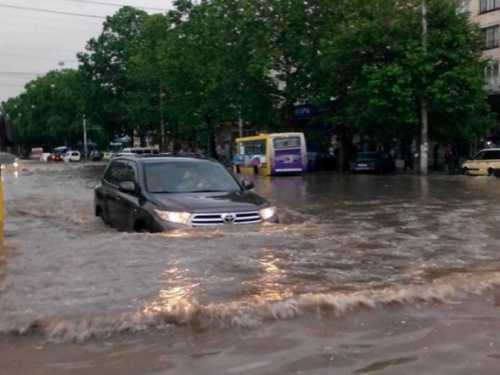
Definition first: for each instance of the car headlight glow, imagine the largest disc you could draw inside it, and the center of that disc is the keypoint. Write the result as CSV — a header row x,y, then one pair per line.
x,y
174,217
268,213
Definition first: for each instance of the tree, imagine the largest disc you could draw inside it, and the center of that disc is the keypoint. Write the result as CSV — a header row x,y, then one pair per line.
x,y
215,68
104,65
380,80
50,111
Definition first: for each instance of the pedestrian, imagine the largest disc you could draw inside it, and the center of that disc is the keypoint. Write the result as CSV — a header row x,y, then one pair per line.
x,y
408,160
449,158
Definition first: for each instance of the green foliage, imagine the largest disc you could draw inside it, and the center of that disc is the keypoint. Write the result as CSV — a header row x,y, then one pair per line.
x,y
49,112
104,65
380,71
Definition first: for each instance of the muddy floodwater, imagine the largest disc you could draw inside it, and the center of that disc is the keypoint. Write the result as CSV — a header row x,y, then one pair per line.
x,y
364,274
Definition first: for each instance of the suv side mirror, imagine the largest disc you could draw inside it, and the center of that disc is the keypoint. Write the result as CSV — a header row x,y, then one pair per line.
x,y
129,187
247,185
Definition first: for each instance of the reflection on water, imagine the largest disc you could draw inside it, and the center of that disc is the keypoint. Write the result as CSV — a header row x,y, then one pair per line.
x,y
175,296
267,287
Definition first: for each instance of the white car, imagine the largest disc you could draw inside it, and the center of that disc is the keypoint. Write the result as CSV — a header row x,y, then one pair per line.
x,y
72,156
485,163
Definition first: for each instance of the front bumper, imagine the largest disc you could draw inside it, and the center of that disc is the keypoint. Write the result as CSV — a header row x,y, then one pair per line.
x,y
216,220
363,168
473,170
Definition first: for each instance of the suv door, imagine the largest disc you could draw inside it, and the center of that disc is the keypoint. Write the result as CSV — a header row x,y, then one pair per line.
x,y
123,204
129,203
110,185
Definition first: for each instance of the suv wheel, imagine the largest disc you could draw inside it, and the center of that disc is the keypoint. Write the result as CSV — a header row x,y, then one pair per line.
x,y
100,212
141,227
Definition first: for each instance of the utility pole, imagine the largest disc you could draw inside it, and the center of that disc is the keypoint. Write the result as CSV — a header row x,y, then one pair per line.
x,y
162,124
240,126
424,134
85,148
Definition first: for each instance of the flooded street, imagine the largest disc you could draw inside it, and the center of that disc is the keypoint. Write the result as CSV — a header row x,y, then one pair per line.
x,y
364,274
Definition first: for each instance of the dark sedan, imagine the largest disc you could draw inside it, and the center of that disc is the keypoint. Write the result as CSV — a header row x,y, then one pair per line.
x,y
160,193
373,162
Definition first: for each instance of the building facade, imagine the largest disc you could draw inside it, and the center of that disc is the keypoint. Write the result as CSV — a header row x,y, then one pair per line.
x,y
486,13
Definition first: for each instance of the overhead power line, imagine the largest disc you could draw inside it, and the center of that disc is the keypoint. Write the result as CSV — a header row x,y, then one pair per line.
x,y
39,57
28,74
113,4
41,10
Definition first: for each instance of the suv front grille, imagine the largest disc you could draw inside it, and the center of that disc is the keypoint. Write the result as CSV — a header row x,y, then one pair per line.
x,y
208,219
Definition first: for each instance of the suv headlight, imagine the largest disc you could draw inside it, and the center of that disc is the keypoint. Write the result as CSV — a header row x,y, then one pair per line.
x,y
267,213
174,217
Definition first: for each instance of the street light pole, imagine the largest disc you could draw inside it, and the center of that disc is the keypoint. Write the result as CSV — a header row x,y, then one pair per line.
x,y
85,136
424,134
162,124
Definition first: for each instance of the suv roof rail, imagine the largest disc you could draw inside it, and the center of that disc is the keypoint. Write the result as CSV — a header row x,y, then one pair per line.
x,y
195,155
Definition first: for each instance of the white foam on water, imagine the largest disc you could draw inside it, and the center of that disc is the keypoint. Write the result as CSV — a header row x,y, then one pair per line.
x,y
244,314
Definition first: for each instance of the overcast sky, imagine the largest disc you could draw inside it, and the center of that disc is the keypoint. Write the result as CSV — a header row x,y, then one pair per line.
x,y
34,42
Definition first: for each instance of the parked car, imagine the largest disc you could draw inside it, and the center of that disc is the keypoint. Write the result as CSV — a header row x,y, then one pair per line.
x,y
373,162
95,155
58,153
72,156
55,156
161,193
36,153
484,163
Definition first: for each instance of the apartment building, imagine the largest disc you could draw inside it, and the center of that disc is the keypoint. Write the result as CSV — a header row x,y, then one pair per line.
x,y
486,13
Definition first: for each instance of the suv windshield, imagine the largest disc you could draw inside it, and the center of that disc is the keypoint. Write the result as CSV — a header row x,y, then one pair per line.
x,y
188,177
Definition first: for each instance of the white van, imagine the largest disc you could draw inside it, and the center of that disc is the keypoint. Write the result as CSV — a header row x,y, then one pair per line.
x,y
72,156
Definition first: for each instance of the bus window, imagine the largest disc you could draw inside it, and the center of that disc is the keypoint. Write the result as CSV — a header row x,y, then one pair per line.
x,y
288,142
253,148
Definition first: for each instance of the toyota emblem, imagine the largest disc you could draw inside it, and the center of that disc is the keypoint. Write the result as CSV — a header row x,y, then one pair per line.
x,y
229,218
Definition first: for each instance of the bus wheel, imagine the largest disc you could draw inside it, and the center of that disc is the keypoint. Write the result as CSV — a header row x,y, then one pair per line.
x,y
256,169
238,169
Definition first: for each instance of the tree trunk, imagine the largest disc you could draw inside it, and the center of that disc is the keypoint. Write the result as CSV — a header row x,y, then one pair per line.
x,y
211,148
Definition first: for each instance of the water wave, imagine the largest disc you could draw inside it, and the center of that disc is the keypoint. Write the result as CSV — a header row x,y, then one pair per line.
x,y
251,313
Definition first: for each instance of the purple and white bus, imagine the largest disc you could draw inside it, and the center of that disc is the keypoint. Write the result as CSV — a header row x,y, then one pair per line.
x,y
271,154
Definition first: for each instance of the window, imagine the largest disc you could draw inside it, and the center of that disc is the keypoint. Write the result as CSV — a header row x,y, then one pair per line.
x,y
289,142
188,177
491,70
488,5
491,155
253,148
119,172
491,37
